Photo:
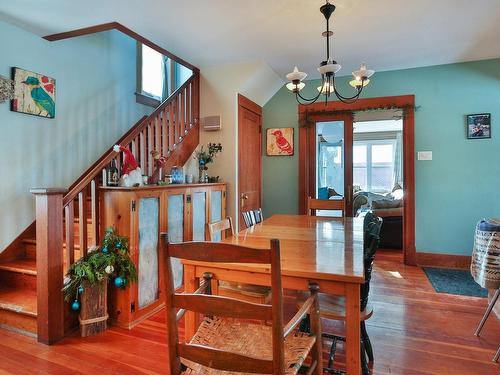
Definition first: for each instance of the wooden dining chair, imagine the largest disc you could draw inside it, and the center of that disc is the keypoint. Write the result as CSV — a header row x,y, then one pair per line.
x,y
246,292
228,339
224,225
252,217
333,307
325,204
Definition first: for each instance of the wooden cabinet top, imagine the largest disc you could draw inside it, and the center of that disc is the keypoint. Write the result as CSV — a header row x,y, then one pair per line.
x,y
160,187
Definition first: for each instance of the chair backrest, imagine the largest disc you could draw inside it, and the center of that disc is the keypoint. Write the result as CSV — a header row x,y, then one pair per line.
x,y
252,217
371,238
325,204
223,306
220,226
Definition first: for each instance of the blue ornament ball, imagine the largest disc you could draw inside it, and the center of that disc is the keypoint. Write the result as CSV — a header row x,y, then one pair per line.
x,y
75,306
119,282
105,250
119,245
80,289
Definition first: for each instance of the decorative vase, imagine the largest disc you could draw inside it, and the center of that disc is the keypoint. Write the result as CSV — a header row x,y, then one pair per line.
x,y
201,172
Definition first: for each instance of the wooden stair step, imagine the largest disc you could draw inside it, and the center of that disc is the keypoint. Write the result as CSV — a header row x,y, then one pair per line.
x,y
25,266
18,300
18,309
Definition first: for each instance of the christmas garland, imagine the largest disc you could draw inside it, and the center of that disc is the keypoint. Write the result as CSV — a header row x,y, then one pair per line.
x,y
109,261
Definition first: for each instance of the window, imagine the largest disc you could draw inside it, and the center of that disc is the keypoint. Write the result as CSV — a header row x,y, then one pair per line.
x,y
152,73
373,165
157,76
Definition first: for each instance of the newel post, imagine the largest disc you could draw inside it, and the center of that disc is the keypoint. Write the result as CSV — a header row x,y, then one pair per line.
x,y
49,264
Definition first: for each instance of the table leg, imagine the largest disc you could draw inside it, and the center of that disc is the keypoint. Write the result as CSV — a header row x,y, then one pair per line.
x,y
353,346
191,284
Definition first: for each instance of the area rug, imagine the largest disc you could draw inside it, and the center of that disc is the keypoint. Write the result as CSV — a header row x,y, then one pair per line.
x,y
453,281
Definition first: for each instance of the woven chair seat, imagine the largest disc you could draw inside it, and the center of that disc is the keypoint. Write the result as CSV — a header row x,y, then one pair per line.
x,y
252,340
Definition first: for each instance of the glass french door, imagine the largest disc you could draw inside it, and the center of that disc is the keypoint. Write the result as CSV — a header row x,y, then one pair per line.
x,y
331,165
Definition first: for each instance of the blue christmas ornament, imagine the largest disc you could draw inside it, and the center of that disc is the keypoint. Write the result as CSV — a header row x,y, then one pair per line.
x,y
118,245
75,306
119,282
80,289
105,250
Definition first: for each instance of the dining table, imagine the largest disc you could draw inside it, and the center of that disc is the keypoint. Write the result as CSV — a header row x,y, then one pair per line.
x,y
323,250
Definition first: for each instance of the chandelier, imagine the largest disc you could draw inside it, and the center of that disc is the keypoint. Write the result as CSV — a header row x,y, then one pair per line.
x,y
328,69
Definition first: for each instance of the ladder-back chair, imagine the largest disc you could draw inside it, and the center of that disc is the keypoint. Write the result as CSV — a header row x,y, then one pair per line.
x,y
247,292
223,344
325,204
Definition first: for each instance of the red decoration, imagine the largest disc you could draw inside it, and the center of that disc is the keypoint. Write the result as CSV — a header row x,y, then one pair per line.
x,y
45,79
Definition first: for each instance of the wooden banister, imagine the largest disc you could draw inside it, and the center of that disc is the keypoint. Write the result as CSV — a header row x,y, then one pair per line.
x,y
128,137
172,130
49,264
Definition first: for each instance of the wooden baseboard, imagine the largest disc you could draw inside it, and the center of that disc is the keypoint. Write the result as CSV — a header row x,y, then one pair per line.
x,y
443,260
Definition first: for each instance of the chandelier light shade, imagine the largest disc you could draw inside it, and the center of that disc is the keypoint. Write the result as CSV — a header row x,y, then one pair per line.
x,y
328,69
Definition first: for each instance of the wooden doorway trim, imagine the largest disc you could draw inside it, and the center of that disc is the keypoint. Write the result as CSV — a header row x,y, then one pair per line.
x,y
309,115
245,105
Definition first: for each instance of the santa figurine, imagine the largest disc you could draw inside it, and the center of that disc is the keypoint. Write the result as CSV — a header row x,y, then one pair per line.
x,y
131,172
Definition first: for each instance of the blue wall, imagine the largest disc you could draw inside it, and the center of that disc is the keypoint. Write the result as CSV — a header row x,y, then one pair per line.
x,y
458,187
95,105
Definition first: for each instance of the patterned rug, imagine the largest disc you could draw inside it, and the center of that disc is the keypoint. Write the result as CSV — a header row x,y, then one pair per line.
x,y
453,281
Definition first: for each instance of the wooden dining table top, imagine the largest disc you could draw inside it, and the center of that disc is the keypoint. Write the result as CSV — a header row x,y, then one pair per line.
x,y
320,248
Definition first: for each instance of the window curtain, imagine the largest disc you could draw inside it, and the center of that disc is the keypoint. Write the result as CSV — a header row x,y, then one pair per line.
x,y
398,160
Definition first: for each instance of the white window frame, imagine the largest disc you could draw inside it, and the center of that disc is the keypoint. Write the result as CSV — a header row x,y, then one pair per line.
x,y
369,165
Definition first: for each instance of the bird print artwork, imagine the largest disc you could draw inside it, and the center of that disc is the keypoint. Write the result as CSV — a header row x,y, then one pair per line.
x,y
280,141
34,93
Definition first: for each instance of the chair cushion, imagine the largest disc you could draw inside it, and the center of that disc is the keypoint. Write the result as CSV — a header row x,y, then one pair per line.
x,y
253,340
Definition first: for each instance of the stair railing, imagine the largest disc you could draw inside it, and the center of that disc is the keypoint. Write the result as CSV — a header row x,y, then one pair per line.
x,y
169,128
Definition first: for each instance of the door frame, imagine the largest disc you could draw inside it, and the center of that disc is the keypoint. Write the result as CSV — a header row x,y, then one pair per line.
x,y
319,112
244,102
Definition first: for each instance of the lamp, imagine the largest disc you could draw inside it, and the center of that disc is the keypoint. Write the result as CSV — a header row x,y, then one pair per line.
x,y
328,69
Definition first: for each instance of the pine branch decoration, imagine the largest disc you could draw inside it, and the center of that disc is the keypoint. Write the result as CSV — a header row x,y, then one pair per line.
x,y
109,261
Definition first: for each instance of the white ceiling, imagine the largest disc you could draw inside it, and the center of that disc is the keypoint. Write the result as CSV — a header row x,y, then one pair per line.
x,y
386,34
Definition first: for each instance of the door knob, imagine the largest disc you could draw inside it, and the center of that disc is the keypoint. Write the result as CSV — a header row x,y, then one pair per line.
x,y
244,197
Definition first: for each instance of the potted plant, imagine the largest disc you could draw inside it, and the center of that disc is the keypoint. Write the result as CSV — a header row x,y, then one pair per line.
x,y
206,157
85,285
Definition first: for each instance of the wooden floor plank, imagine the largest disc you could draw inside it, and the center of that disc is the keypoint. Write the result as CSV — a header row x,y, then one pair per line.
x,y
414,331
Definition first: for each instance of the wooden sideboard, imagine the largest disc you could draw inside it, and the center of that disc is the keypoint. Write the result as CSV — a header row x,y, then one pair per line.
x,y
141,214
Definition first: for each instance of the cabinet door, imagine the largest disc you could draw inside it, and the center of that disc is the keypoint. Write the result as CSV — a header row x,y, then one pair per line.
x,y
148,225
199,212
217,207
176,214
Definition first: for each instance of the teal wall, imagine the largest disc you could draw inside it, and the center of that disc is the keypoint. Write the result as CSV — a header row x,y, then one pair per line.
x,y
458,187
95,105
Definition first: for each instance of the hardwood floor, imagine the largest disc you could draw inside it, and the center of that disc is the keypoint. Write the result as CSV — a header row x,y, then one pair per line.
x,y
414,331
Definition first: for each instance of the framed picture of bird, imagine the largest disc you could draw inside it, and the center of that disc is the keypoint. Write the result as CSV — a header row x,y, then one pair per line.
x,y
34,93
279,142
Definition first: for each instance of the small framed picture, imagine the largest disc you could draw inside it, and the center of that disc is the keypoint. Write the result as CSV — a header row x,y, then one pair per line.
x,y
279,142
479,126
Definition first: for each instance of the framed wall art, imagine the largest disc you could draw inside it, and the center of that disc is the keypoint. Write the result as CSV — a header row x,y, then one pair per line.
x,y
479,126
34,93
279,142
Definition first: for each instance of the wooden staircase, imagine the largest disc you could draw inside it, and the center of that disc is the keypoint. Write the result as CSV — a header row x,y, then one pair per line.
x,y
172,129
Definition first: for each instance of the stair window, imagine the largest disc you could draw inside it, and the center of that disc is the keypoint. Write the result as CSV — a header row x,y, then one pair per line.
x,y
158,76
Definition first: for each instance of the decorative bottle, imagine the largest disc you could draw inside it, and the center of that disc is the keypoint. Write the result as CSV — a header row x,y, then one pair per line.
x,y
112,174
